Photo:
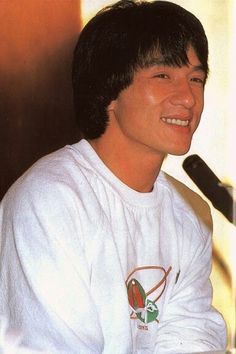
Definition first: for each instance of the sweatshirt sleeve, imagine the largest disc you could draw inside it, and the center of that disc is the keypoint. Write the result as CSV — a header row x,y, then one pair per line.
x,y
189,322
44,272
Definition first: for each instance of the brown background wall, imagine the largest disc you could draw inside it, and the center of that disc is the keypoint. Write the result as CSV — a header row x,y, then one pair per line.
x,y
36,112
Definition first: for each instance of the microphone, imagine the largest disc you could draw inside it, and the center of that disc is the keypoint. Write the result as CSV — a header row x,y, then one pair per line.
x,y
210,185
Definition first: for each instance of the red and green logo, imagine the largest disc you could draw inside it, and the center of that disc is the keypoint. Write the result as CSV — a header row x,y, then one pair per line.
x,y
145,309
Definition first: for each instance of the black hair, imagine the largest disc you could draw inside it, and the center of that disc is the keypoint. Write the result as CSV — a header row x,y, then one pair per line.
x,y
118,41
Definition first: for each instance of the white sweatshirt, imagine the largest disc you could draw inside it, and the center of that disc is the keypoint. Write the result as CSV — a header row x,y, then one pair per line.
x,y
74,238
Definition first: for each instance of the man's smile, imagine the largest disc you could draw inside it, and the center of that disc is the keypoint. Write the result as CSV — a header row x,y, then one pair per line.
x,y
176,121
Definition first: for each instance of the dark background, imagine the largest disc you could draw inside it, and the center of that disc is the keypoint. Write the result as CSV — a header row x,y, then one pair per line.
x,y
36,110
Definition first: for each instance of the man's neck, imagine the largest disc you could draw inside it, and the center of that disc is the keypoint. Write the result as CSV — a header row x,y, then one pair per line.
x,y
137,168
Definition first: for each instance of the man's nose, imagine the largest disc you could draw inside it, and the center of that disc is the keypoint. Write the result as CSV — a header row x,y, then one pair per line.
x,y
183,95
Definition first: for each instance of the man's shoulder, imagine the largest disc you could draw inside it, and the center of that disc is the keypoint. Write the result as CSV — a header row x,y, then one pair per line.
x,y
57,188
58,174
188,202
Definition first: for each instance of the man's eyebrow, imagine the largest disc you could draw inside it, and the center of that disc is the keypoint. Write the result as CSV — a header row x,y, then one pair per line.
x,y
198,68
163,62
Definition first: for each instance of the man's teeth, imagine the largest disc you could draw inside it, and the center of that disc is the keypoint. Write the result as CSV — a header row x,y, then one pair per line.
x,y
183,123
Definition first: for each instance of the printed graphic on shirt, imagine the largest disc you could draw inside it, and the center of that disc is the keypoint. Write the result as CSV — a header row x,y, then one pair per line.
x,y
142,305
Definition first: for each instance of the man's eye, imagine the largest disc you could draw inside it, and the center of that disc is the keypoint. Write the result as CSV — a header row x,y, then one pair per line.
x,y
198,80
162,76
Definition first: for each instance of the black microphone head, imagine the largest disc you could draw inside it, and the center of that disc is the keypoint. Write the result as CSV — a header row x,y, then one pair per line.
x,y
209,184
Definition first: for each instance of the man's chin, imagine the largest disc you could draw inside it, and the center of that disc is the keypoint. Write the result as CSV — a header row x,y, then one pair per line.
x,y
180,152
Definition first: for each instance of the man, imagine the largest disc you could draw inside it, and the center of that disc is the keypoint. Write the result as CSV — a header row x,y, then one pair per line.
x,y
100,251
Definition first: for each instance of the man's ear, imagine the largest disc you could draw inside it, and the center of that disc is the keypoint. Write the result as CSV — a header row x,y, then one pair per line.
x,y
111,106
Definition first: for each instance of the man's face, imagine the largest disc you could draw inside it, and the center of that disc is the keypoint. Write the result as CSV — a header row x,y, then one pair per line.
x,y
162,107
